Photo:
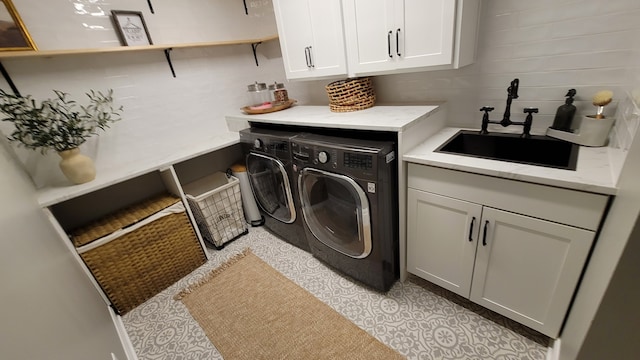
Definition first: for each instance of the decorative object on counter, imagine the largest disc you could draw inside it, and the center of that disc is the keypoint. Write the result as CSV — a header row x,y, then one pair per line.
x,y
258,96
351,94
131,28
60,124
565,113
14,33
512,93
254,110
278,93
601,99
593,130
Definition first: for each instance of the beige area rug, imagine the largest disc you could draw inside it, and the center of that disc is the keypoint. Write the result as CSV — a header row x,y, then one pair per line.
x,y
250,311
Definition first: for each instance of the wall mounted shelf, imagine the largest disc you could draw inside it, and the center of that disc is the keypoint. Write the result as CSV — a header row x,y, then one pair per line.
x,y
167,48
51,53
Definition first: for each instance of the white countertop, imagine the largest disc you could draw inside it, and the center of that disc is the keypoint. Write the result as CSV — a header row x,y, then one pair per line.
x,y
160,158
378,118
593,172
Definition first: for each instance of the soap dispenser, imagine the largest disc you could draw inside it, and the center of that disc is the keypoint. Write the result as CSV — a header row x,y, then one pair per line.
x,y
565,113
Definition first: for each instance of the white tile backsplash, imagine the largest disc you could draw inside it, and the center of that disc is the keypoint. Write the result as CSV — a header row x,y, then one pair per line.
x,y
81,24
550,45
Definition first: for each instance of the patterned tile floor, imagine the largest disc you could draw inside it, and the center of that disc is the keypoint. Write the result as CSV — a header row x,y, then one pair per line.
x,y
419,320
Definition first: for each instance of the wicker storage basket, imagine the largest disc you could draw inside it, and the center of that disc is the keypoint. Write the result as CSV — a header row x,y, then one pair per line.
x,y
216,204
139,251
351,94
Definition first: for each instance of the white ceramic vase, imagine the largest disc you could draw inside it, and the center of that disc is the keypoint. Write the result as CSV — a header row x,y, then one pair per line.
x,y
78,168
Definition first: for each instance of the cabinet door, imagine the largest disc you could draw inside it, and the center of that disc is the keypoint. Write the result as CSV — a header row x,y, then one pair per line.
x,y
370,35
527,269
390,35
425,33
311,38
441,239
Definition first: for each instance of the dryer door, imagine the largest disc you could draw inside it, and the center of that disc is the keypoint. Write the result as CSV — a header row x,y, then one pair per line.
x,y
271,188
336,210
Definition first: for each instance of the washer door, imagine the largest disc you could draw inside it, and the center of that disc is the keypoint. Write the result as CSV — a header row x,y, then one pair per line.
x,y
336,210
271,188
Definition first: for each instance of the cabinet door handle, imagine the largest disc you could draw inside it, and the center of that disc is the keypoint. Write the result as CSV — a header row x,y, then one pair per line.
x,y
307,56
484,234
473,220
398,42
389,43
311,57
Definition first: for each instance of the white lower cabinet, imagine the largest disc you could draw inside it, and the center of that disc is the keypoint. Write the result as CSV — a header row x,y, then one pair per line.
x,y
506,259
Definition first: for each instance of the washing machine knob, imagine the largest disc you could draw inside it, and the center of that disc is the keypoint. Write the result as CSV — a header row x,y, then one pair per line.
x,y
323,157
257,144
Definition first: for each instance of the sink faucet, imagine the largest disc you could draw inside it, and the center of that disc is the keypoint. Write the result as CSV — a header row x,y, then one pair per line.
x,y
512,93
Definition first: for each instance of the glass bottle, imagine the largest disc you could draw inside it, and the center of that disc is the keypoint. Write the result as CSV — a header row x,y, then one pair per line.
x,y
258,94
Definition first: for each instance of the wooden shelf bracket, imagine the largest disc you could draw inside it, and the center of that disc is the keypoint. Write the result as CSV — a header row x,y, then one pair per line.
x,y
254,46
7,77
167,54
150,6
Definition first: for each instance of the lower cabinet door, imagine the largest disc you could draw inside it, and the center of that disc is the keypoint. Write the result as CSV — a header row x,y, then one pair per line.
x,y
527,269
442,234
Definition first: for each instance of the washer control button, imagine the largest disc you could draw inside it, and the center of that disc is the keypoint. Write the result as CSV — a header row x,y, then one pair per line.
x,y
323,157
257,144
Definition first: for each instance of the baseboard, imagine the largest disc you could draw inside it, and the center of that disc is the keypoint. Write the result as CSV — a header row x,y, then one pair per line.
x,y
553,351
129,351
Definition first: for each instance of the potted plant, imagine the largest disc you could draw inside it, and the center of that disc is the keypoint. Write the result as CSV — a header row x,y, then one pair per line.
x,y
60,124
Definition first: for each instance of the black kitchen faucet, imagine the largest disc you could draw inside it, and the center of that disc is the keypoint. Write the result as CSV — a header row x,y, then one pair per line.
x,y
512,93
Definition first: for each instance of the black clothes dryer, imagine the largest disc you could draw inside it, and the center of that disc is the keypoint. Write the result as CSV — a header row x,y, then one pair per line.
x,y
348,194
269,168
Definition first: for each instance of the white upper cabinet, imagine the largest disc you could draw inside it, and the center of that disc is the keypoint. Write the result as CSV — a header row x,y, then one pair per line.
x,y
311,38
391,36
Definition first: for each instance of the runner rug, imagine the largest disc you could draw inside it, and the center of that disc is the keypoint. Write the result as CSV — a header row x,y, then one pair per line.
x,y
250,311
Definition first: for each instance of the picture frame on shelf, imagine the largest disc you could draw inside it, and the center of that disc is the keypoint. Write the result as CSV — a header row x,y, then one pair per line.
x,y
131,28
13,34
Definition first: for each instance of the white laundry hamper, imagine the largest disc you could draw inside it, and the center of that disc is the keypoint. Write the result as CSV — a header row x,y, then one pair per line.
x,y
216,204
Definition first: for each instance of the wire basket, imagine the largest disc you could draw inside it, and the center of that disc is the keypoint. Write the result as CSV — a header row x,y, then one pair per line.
x,y
216,204
137,252
351,94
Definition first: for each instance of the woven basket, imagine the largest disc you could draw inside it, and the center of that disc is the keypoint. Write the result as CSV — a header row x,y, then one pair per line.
x,y
157,251
351,94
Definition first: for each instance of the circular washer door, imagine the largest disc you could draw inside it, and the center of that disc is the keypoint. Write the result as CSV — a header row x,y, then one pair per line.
x,y
336,210
271,188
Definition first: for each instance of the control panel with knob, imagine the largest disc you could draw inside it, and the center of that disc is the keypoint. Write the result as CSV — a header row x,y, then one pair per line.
x,y
323,157
257,144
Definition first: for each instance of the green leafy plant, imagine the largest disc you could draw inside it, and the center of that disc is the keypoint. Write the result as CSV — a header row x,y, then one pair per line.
x,y
60,123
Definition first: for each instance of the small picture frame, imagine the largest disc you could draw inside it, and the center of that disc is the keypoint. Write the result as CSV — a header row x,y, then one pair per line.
x,y
131,28
13,33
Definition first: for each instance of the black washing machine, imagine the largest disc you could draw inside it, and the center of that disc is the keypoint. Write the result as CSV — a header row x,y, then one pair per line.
x,y
269,169
348,194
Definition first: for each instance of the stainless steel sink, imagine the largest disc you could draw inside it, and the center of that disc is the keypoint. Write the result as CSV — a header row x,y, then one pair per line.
x,y
535,150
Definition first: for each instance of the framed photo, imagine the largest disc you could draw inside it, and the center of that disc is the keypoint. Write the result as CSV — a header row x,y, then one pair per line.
x,y
13,33
131,28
